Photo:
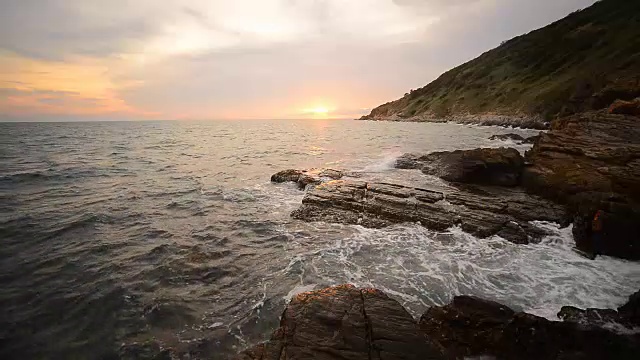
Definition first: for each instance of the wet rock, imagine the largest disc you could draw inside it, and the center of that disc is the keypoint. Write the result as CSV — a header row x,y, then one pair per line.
x,y
286,176
488,166
531,139
344,322
470,326
620,221
505,137
481,211
591,316
625,107
306,177
590,152
411,161
631,310
591,162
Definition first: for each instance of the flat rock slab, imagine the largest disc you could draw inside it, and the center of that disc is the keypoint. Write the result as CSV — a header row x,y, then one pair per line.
x,y
344,322
481,211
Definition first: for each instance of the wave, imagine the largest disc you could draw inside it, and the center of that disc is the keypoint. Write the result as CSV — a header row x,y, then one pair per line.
x,y
423,268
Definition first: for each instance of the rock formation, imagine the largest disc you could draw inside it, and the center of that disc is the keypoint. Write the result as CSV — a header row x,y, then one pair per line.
x,y
344,322
470,326
591,162
627,315
488,166
306,177
482,211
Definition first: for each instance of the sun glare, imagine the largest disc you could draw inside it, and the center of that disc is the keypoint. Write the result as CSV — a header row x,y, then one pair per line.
x,y
317,112
320,110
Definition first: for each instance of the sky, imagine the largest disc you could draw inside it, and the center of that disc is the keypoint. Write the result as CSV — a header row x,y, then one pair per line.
x,y
241,59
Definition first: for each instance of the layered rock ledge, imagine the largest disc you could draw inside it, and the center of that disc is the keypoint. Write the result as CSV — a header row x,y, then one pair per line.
x,y
345,322
481,211
591,161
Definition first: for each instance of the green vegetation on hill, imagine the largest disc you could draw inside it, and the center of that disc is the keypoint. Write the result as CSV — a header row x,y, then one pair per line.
x,y
584,61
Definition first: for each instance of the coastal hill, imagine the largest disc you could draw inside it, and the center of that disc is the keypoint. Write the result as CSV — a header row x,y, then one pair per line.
x,y
581,62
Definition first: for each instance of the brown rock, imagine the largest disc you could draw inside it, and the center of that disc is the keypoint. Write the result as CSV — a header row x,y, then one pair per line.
x,y
306,177
591,161
488,166
344,322
625,107
471,326
531,139
411,161
482,211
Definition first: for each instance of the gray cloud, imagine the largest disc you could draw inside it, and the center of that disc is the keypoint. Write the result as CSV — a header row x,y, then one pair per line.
x,y
53,29
204,58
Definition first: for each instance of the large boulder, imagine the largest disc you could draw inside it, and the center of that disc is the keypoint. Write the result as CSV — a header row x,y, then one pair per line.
x,y
471,327
344,322
481,211
591,162
487,166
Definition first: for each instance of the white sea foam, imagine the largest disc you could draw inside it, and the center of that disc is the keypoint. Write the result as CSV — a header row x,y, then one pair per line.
x,y
421,268
386,163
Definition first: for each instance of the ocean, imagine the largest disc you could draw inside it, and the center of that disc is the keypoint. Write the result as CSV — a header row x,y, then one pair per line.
x,y
116,233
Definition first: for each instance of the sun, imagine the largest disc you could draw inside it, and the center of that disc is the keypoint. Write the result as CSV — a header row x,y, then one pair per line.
x,y
317,112
320,110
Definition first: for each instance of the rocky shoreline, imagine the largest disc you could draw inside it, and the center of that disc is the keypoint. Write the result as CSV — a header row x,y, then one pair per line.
x,y
586,162
344,322
487,119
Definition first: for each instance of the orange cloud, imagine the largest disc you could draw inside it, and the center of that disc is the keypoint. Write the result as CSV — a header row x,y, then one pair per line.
x,y
77,87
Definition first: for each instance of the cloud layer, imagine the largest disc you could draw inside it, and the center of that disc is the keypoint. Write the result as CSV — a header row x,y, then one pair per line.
x,y
240,59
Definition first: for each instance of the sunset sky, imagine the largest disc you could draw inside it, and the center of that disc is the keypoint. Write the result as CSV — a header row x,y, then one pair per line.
x,y
208,59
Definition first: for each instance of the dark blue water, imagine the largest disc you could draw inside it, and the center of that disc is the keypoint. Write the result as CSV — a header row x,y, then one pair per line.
x,y
169,233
